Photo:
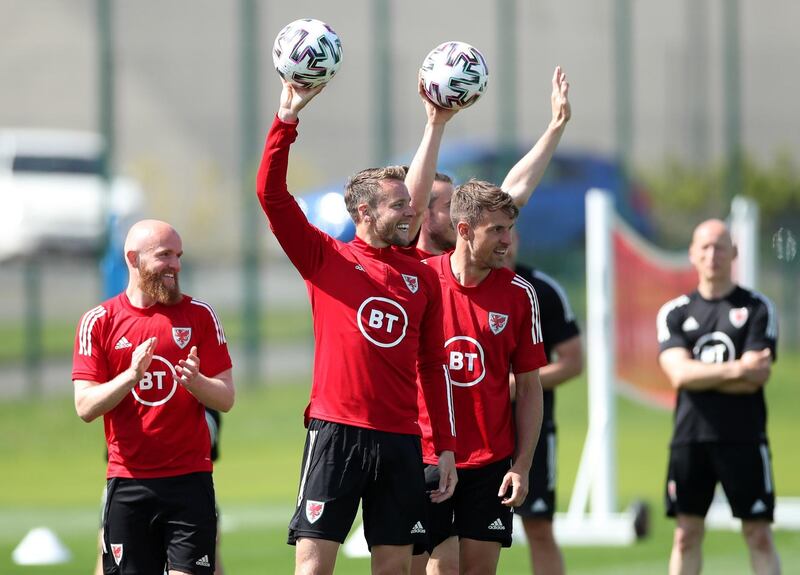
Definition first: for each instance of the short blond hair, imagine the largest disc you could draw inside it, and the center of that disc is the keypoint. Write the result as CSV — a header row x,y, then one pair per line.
x,y
473,198
364,187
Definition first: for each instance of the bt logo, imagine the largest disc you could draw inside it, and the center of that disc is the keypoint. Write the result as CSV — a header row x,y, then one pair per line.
x,y
157,386
465,360
382,321
716,347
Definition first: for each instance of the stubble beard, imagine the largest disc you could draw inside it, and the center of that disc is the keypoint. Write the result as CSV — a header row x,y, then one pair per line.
x,y
487,259
390,235
443,240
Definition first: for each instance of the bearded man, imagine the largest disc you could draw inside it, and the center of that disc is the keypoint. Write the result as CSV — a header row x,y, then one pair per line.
x,y
137,362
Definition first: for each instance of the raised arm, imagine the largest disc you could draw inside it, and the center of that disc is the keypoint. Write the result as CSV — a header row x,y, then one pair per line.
x,y
526,174
293,99
299,239
422,170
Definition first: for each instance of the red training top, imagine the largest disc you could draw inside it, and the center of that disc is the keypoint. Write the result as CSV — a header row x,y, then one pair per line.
x,y
489,328
159,429
413,251
377,317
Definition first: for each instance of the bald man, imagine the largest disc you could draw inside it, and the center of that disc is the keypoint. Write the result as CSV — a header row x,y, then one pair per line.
x,y
150,360
717,347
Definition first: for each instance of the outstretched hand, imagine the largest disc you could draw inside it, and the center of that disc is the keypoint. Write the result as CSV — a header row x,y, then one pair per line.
x,y
559,99
293,99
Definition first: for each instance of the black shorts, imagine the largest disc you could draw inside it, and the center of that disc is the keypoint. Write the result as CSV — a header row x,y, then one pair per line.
x,y
153,523
541,499
344,465
745,471
474,511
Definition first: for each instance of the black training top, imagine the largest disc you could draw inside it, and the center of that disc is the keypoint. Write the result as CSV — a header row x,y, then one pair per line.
x,y
716,331
558,325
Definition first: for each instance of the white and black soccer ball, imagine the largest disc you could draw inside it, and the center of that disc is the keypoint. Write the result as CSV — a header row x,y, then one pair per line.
x,y
307,53
454,75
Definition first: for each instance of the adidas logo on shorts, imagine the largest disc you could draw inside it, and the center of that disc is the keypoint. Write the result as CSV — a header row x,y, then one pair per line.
x,y
203,561
418,528
758,507
497,525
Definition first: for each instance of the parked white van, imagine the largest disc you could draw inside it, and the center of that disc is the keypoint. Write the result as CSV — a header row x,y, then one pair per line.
x,y
53,196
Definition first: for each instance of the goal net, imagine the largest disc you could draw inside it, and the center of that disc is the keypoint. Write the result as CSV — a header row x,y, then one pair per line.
x,y
645,277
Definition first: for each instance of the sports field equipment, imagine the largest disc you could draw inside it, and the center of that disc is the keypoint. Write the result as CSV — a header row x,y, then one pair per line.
x,y
644,278
307,53
454,75
615,258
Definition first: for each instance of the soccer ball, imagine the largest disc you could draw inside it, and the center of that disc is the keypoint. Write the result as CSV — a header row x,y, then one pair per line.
x,y
307,53
454,75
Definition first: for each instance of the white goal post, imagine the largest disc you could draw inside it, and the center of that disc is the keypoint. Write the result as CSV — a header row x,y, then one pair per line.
x,y
596,479
592,517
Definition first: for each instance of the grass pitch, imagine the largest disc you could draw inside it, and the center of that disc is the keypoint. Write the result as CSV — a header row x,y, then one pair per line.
x,y
53,475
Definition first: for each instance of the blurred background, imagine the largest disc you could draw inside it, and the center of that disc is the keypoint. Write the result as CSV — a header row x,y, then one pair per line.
x,y
111,111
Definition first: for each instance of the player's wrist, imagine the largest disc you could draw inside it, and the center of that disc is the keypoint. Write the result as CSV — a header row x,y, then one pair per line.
x,y
131,377
287,115
556,126
521,466
446,455
438,121
192,383
737,371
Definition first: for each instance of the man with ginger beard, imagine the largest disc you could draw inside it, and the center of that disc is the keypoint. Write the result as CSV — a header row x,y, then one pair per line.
x,y
150,360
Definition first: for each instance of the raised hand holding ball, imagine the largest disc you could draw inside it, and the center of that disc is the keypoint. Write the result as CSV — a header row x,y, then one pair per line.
x,y
454,75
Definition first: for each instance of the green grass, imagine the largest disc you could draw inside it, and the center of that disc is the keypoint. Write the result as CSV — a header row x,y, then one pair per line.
x,y
56,340
53,475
